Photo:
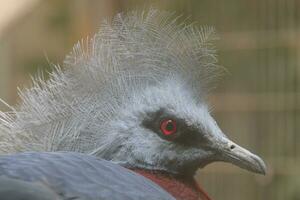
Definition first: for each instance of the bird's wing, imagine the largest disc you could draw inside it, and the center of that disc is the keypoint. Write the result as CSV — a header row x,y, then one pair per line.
x,y
73,176
15,189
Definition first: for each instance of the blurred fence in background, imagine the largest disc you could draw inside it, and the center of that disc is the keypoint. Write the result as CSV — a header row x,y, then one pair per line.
x,y
257,104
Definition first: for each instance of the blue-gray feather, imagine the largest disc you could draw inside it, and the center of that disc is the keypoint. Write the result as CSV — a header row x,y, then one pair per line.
x,y
79,176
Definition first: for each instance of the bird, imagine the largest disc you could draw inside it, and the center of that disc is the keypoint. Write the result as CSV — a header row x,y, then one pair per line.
x,y
132,99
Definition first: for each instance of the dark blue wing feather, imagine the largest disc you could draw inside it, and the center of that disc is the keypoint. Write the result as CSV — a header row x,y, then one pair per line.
x,y
80,176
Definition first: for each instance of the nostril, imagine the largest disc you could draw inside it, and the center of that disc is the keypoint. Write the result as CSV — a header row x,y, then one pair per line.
x,y
232,146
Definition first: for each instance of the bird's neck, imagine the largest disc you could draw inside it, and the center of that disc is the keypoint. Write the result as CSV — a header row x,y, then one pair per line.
x,y
178,188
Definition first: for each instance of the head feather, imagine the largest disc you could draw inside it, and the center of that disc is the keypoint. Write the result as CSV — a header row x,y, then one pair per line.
x,y
136,50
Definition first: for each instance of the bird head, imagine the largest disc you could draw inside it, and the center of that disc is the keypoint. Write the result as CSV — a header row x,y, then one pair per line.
x,y
135,94
167,129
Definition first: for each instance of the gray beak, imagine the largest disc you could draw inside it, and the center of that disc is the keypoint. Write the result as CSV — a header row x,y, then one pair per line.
x,y
230,152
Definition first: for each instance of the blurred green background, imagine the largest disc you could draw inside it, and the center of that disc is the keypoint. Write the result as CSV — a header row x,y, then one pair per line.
x,y
257,104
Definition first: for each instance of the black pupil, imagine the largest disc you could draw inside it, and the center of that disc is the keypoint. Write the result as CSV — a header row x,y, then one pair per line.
x,y
169,126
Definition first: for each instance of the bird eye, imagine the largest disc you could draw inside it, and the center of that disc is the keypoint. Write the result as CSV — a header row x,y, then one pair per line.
x,y
168,127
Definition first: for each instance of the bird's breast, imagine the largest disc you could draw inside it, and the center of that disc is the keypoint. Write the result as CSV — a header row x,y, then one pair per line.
x,y
177,188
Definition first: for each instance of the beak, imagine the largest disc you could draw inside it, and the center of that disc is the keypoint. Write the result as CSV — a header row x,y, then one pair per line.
x,y
237,155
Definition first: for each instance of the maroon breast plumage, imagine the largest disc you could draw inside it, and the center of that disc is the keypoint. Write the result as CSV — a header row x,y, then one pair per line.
x,y
179,189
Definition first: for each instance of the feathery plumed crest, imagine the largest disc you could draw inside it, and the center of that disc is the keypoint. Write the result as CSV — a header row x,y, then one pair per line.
x,y
134,51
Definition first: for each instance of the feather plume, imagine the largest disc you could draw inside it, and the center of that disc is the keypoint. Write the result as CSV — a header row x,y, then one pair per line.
x,y
134,51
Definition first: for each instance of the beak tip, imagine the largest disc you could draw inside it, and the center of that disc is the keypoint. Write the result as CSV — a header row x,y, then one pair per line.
x,y
256,164
261,171
262,168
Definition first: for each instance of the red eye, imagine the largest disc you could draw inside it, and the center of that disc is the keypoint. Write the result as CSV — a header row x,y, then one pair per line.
x,y
168,127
